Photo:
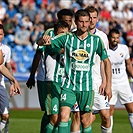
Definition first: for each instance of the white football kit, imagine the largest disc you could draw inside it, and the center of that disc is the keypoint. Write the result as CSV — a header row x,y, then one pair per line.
x,y
120,85
4,102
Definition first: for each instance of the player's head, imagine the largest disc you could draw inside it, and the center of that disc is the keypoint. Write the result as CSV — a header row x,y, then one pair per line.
x,y
1,32
93,16
82,20
65,15
61,27
114,37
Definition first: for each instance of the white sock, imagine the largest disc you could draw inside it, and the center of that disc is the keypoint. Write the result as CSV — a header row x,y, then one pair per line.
x,y
2,125
111,118
130,117
76,132
106,130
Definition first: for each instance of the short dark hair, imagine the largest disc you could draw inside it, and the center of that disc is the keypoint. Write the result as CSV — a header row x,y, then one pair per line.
x,y
2,27
113,30
91,9
64,12
60,24
81,12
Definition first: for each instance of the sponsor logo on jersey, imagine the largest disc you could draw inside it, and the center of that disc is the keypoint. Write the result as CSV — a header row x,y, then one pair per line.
x,y
80,66
80,55
121,54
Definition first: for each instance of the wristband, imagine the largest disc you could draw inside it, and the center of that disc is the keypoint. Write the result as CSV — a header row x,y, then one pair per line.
x,y
0,48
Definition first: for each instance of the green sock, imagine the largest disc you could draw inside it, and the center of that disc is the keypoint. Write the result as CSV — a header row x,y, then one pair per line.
x,y
87,130
44,122
63,126
48,129
81,129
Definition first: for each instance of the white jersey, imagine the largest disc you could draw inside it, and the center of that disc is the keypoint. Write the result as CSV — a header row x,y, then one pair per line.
x,y
50,67
117,58
7,56
96,67
41,69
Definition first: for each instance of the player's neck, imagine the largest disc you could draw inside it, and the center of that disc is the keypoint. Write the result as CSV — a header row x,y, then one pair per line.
x,y
93,31
113,47
81,35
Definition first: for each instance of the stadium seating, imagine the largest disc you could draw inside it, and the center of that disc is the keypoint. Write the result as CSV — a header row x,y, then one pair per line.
x,y
23,57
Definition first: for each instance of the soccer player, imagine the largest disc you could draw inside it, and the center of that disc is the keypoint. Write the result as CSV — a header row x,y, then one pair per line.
x,y
4,108
101,104
63,15
120,61
79,59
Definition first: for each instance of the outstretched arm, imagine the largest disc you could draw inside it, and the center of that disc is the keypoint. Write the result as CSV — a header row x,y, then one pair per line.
x,y
44,40
16,89
36,60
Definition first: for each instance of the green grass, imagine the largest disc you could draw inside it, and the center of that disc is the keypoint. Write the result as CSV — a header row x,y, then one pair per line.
x,y
28,121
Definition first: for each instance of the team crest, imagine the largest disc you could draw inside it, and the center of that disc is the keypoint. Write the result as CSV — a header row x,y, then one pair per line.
x,y
80,55
121,54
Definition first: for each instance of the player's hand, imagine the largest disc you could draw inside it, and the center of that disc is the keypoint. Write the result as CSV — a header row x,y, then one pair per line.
x,y
30,83
46,40
62,51
102,88
108,93
15,89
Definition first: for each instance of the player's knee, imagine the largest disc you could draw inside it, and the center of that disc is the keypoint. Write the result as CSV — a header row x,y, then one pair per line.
x,y
85,121
5,117
106,118
54,119
64,116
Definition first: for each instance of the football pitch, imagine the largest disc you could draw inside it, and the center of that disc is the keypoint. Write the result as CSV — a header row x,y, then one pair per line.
x,y
28,121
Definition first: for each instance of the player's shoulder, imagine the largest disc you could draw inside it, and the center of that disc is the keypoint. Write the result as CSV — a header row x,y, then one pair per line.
x,y
93,35
63,35
122,46
49,31
5,47
100,33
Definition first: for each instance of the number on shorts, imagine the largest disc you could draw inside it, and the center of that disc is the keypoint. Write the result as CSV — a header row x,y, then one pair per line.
x,y
55,108
63,97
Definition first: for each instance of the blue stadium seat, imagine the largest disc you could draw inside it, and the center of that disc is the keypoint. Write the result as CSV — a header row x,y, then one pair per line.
x,y
18,48
21,68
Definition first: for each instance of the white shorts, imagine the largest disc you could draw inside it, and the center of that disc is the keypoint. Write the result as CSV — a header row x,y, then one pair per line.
x,y
99,101
123,93
4,102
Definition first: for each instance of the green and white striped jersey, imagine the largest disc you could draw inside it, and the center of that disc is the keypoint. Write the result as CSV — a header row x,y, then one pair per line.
x,y
79,59
53,62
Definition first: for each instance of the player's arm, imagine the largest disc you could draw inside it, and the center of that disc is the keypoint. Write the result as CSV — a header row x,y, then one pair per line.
x,y
53,51
108,74
129,67
1,56
35,63
16,87
9,67
55,42
103,76
102,52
